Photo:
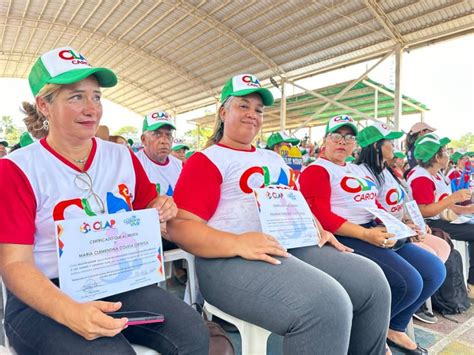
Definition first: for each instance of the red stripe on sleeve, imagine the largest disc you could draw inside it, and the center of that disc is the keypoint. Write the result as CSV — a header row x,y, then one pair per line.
x,y
18,207
315,186
145,191
423,190
198,189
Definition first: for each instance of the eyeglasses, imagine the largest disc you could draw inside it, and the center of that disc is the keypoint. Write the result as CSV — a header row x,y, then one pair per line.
x,y
337,137
162,134
93,202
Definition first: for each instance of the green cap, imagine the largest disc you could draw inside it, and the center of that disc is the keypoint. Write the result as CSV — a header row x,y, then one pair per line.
x,y
157,119
457,155
25,139
179,144
376,132
66,66
4,143
280,137
189,153
337,122
428,145
130,142
399,155
350,159
246,84
471,154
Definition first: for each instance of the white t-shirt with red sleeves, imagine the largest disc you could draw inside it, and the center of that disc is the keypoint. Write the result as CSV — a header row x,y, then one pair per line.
x,y
216,185
352,190
165,175
390,195
426,189
47,189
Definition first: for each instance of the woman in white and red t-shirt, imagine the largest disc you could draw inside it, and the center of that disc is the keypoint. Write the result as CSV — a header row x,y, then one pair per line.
x,y
323,300
432,192
339,195
70,174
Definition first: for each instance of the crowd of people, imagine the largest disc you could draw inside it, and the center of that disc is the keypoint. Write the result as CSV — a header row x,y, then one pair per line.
x,y
354,291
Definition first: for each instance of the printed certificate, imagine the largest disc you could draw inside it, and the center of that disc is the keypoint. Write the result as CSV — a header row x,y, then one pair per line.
x,y
393,224
285,215
105,255
415,215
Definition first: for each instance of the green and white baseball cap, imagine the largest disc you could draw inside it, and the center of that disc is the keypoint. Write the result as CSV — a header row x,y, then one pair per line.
x,y
399,155
157,119
376,132
246,84
280,137
179,144
66,66
457,155
339,121
428,145
25,139
4,143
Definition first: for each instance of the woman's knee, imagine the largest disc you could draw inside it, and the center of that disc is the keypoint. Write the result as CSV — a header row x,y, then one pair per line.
x,y
373,287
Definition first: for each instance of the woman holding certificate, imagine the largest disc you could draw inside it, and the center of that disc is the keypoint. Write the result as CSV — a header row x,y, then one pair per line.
x,y
68,175
323,300
340,195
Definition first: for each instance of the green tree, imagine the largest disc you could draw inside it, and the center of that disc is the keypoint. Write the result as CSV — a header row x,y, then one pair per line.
x,y
199,136
127,131
466,142
9,130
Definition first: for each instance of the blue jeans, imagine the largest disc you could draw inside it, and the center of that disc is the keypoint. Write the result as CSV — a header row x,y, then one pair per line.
x,y
413,274
183,331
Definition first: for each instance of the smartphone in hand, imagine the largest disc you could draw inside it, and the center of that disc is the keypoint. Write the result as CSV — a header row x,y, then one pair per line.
x,y
139,317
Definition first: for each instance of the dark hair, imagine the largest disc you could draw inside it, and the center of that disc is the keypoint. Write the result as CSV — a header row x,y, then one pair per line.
x,y
410,141
372,157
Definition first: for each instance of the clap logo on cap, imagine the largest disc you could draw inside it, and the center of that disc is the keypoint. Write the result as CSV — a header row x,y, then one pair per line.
x,y
157,119
246,84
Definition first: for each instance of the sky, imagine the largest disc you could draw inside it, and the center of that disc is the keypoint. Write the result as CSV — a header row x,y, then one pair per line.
x,y
440,75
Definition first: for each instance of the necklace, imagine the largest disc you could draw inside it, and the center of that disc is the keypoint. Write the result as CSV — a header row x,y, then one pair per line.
x,y
81,161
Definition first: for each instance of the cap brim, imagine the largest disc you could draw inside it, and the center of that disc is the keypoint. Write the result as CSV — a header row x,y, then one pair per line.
x,y
158,125
350,125
4,143
394,135
105,77
267,96
294,141
444,141
178,147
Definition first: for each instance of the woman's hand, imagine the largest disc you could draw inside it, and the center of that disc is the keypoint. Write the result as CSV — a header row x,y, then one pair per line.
x,y
259,246
166,207
328,237
460,195
90,321
379,237
420,236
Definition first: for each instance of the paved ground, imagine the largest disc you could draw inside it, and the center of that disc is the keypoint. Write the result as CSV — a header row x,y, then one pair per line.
x,y
446,337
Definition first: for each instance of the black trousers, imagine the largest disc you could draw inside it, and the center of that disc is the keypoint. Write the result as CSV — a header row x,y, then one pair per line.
x,y
463,232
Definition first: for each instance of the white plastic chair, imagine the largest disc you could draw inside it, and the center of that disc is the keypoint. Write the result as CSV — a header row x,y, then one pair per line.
x,y
254,338
139,349
462,247
191,291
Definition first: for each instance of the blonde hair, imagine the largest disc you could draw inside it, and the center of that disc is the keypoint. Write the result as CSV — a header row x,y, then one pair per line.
x,y
34,119
218,132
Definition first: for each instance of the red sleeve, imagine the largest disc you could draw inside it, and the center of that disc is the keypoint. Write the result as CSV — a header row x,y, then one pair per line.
x,y
198,189
18,206
145,191
454,175
423,190
316,188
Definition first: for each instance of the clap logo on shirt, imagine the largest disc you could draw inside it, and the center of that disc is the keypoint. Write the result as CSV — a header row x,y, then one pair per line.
x,y
260,176
394,198
354,185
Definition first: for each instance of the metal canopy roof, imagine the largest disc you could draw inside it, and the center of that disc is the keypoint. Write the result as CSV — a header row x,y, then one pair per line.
x,y
176,55
360,97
